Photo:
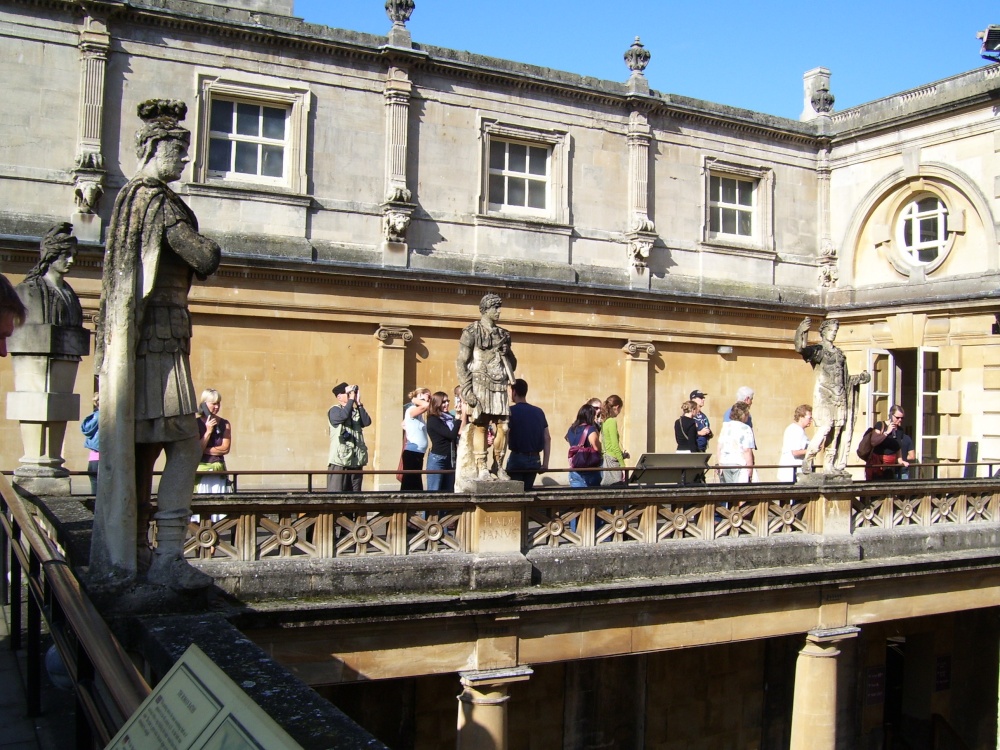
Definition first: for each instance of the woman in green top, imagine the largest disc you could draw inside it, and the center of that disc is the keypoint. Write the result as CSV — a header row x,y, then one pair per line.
x,y
614,456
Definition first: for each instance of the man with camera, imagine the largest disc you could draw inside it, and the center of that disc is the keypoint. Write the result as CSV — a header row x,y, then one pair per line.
x,y
347,444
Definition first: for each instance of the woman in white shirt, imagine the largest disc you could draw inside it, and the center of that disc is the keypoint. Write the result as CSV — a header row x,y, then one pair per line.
x,y
736,446
794,443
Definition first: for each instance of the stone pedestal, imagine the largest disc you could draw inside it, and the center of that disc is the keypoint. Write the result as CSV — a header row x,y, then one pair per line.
x,y
814,706
482,707
45,359
834,479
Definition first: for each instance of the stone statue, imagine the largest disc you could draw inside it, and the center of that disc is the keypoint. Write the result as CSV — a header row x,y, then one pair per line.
x,y
148,402
46,353
835,399
485,369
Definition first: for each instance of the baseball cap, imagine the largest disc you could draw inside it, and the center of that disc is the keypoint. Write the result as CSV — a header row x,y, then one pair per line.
x,y
339,389
697,394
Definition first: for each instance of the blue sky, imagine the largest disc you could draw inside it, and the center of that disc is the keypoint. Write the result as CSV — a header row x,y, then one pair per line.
x,y
744,54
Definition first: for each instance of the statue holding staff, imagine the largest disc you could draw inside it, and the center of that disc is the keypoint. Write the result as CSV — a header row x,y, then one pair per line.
x,y
835,398
148,402
485,369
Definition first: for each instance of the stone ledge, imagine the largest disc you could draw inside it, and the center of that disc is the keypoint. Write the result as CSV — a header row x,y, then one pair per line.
x,y
311,721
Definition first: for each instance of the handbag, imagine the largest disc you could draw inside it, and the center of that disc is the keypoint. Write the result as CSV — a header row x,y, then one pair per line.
x,y
612,471
583,455
865,447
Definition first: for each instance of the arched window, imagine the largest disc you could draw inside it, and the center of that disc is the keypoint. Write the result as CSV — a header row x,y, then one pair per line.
x,y
923,230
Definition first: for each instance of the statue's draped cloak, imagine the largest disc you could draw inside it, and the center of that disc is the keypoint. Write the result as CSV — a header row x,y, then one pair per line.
x,y
488,371
137,249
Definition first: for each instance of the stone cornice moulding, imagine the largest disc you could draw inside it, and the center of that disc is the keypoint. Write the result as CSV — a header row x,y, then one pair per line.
x,y
251,27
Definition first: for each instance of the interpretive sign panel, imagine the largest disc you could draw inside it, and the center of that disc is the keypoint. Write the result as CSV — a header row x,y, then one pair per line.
x,y
198,707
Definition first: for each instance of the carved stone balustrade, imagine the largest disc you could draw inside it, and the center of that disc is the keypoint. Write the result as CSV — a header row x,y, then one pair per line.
x,y
381,541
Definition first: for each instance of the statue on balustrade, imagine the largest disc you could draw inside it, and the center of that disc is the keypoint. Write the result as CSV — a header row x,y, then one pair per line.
x,y
46,354
835,400
148,403
485,369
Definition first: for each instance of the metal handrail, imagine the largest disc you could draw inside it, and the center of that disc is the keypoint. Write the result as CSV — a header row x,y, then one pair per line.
x,y
310,474
108,687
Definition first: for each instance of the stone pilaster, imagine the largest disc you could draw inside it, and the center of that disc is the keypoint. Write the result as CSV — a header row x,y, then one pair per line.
x,y
828,271
89,170
637,364
814,706
396,209
482,707
640,236
390,394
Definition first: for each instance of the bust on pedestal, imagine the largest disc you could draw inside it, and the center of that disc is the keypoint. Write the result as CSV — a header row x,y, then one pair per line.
x,y
46,353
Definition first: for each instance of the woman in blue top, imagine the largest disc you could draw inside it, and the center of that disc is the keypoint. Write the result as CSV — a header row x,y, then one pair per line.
x,y
415,442
442,429
584,429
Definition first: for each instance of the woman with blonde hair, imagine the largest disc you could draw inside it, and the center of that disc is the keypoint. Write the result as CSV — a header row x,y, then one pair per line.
x,y
216,436
614,456
414,439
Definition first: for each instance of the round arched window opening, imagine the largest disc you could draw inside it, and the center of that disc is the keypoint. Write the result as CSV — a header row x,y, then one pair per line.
x,y
923,230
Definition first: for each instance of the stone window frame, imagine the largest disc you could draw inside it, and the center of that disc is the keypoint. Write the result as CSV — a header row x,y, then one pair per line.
x,y
890,237
557,142
295,97
762,236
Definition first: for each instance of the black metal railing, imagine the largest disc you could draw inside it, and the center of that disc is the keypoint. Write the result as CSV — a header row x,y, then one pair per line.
x,y
107,685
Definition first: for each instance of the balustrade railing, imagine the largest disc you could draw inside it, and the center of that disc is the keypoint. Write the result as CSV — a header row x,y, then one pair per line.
x,y
242,528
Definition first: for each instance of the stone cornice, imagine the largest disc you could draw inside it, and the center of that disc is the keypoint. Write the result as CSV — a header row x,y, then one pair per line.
x,y
974,88
295,34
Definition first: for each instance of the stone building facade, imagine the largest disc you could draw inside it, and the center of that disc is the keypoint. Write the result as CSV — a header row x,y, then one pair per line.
x,y
366,191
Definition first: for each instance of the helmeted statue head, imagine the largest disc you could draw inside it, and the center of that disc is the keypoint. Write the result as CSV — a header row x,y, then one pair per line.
x,y
162,119
57,243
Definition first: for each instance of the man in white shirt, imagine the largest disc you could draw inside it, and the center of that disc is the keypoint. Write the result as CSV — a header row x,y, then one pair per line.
x,y
794,443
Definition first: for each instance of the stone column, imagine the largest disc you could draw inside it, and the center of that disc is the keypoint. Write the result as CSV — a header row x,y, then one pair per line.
x,y
814,706
482,707
89,169
638,406
390,394
396,209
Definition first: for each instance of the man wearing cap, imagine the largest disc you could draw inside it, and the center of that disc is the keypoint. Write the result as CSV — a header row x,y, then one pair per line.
x,y
701,419
347,445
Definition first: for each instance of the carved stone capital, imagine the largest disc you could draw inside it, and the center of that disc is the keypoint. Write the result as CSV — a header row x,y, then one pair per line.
x,y
89,187
396,217
397,193
640,242
393,337
829,273
639,350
